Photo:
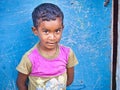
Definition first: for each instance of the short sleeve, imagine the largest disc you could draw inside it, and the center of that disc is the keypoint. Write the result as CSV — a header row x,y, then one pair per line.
x,y
72,60
25,65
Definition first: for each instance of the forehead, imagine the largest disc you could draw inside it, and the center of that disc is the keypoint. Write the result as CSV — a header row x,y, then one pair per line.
x,y
52,24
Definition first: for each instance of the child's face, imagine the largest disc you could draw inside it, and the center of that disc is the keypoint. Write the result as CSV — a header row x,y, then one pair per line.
x,y
49,33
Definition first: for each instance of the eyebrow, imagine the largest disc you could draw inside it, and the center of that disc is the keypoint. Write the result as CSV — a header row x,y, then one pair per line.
x,y
49,30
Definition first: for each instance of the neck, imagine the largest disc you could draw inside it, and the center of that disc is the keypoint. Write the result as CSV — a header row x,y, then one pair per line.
x,y
47,51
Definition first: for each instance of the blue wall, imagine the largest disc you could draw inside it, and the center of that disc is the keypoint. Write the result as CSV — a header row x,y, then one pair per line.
x,y
87,30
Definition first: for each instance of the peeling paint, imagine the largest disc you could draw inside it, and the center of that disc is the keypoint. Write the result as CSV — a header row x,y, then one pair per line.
x,y
87,30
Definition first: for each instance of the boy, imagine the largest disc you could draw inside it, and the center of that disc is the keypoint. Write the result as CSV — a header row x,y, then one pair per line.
x,y
48,65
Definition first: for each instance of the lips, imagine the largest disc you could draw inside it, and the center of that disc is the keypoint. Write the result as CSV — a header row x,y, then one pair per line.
x,y
49,43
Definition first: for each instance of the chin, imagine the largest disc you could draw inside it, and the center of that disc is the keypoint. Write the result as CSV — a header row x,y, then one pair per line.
x,y
50,47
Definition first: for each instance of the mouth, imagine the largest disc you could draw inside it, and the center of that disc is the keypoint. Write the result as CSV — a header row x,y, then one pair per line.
x,y
51,44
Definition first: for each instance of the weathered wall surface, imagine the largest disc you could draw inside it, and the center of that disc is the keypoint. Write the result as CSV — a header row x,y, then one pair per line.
x,y
87,30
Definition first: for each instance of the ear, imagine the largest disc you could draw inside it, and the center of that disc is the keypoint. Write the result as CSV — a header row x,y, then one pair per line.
x,y
35,31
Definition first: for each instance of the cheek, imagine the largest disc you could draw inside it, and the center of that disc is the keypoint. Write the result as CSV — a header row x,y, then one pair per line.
x,y
59,37
43,38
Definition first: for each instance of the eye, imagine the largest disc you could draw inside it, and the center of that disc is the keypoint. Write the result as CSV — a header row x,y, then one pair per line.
x,y
58,31
46,31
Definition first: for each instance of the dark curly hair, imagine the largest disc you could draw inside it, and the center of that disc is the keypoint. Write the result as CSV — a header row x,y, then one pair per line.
x,y
46,12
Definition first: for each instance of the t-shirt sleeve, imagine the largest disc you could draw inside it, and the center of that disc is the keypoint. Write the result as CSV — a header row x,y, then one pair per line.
x,y
25,65
72,60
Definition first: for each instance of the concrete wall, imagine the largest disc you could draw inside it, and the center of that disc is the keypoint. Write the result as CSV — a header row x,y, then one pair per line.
x,y
87,31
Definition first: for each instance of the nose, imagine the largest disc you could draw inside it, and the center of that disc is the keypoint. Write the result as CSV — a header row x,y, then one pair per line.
x,y
52,36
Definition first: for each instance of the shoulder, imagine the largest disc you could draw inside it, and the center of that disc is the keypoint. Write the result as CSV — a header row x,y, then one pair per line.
x,y
30,50
64,47
25,65
25,57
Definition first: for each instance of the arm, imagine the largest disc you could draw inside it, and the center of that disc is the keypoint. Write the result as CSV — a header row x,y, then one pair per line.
x,y
72,61
70,75
21,81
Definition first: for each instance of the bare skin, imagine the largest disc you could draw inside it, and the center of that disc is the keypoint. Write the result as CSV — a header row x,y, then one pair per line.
x,y
70,75
22,78
49,33
21,81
